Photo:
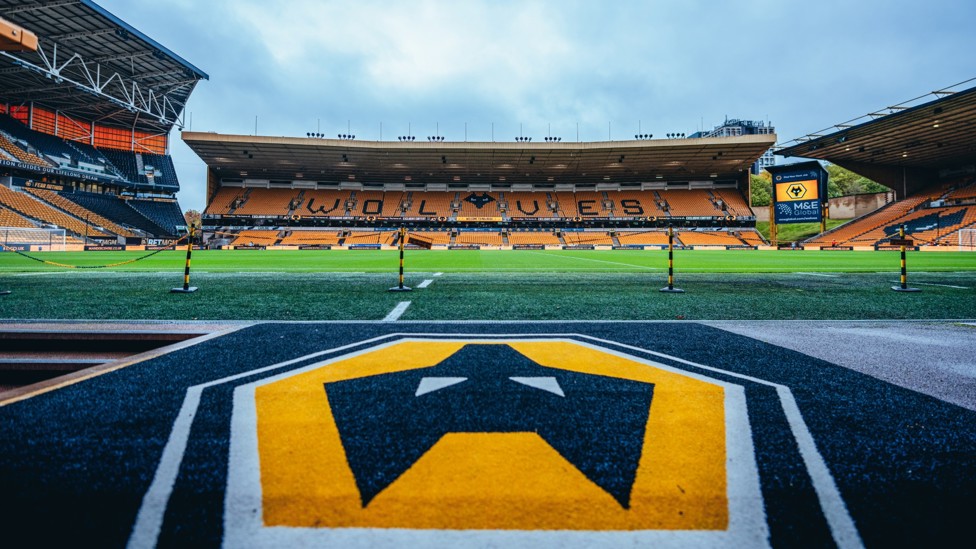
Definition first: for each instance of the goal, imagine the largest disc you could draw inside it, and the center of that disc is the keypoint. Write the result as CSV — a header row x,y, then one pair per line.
x,y
967,240
32,239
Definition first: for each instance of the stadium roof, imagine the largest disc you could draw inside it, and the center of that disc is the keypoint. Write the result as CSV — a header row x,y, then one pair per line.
x,y
904,146
92,65
476,163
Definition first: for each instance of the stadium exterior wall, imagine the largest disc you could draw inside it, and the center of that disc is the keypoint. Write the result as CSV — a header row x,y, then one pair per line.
x,y
844,207
857,205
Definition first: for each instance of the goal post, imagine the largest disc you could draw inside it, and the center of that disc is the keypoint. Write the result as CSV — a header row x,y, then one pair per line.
x,y
32,239
967,240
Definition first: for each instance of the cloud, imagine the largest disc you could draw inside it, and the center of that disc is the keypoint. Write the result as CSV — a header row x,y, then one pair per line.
x,y
478,68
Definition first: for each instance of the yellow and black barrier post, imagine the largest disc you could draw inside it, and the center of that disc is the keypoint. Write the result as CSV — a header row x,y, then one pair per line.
x,y
187,289
401,287
670,287
904,243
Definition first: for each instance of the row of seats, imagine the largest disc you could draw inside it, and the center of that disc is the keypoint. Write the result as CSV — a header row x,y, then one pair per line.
x,y
165,213
529,205
924,223
117,209
10,218
80,212
129,165
20,154
258,237
111,215
27,205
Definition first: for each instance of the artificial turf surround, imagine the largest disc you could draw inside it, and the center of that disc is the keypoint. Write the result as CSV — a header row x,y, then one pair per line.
x,y
903,462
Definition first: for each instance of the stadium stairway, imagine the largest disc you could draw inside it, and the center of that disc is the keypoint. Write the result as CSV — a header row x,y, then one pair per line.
x,y
33,353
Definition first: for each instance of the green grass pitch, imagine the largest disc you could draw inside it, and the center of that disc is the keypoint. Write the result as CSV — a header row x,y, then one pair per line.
x,y
492,285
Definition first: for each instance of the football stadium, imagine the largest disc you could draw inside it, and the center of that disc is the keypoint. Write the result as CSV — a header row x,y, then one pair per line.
x,y
689,368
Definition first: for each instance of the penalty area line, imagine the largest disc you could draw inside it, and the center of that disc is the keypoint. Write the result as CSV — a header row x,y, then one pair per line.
x,y
425,283
397,312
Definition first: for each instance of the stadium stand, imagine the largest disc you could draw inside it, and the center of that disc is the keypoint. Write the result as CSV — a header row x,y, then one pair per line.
x,y
691,203
652,238
429,204
477,204
530,205
311,238
735,203
580,238
384,238
124,163
325,203
113,207
267,202
933,224
952,238
751,238
20,154
255,238
434,238
566,204
73,154
533,238
10,218
708,238
635,204
520,205
160,166
931,229
163,212
369,204
480,238
79,211
82,121
590,204
225,201
28,206
392,204
962,191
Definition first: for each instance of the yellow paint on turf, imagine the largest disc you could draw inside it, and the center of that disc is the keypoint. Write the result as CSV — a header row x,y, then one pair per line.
x,y
493,480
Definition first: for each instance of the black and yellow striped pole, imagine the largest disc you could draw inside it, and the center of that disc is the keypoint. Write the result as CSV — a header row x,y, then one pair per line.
x,y
670,287
401,287
904,243
186,289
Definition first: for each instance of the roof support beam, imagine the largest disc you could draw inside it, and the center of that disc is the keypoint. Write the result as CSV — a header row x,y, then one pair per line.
x,y
112,86
40,6
77,35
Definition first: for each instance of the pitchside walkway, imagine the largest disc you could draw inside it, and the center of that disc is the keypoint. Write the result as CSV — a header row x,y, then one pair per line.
x,y
514,434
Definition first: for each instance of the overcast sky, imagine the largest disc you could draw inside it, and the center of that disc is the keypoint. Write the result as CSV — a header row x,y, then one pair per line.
x,y
606,68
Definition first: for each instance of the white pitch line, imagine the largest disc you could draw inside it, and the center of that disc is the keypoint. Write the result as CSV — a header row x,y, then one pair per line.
x,y
819,274
397,312
425,283
932,284
631,265
438,274
149,519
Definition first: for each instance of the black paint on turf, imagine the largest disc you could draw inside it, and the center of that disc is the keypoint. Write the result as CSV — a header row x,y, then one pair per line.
x,y
75,463
598,424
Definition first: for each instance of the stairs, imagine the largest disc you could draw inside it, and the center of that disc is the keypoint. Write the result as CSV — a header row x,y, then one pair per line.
x,y
41,354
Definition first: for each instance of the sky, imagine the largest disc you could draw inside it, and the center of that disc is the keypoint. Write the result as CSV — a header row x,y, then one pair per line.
x,y
577,69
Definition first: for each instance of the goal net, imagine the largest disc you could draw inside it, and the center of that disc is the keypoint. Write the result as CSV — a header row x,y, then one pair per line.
x,y
967,240
33,239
